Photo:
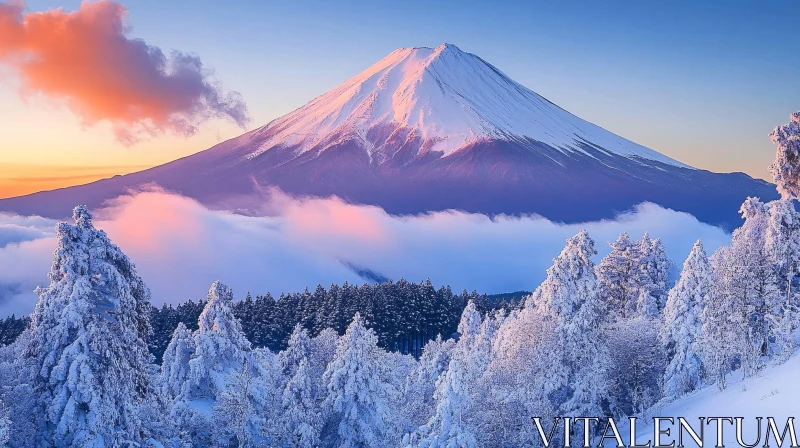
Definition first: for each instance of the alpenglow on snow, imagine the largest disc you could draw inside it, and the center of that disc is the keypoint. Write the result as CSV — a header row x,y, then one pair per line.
x,y
441,120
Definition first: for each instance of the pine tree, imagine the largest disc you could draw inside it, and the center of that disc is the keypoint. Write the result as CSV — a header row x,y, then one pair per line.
x,y
220,345
786,167
653,266
521,380
469,359
637,364
753,278
446,428
303,419
782,237
323,349
5,425
234,410
175,365
570,280
783,328
782,242
569,299
682,333
727,334
88,344
618,277
470,324
358,393
298,348
421,385
783,232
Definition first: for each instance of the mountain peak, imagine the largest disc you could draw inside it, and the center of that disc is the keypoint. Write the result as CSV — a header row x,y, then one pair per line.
x,y
445,46
441,47
446,98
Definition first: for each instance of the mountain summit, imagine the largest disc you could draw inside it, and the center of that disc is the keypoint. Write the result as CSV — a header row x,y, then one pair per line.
x,y
442,99
428,129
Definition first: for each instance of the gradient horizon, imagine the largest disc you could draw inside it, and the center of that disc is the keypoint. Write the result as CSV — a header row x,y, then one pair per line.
x,y
702,83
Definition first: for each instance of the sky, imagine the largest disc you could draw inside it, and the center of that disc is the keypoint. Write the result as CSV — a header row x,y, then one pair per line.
x,y
703,82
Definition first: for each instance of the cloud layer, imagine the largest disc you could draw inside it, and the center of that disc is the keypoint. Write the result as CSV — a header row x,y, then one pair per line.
x,y
180,247
85,59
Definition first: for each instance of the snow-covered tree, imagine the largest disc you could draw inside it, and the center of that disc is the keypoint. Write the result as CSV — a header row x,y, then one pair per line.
x,y
786,167
470,324
323,349
433,362
5,425
637,364
727,334
266,391
653,266
421,384
632,278
17,393
783,328
446,427
303,419
783,230
782,240
646,304
87,342
298,348
175,365
579,328
568,300
618,277
476,338
570,280
756,279
357,391
234,410
458,369
682,333
521,380
220,344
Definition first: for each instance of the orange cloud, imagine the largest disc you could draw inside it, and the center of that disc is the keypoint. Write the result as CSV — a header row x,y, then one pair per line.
x,y
86,59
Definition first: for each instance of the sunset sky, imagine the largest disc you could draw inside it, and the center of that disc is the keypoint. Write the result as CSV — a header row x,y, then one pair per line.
x,y
701,83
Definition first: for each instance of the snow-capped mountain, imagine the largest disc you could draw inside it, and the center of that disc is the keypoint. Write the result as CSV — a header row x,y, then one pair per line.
x,y
430,129
445,98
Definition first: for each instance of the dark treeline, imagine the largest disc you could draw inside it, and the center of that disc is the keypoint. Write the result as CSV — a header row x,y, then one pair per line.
x,y
11,327
404,315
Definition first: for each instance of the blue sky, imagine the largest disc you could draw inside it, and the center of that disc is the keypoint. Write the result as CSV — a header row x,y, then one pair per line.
x,y
703,82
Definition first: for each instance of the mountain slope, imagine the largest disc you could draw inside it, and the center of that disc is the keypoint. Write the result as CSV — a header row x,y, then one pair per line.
x,y
431,129
448,99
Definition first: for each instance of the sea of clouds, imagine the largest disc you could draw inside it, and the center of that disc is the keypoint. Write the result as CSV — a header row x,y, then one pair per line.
x,y
180,247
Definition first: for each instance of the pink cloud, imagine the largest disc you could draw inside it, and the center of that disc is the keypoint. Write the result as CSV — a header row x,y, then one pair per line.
x,y
180,247
86,59
151,220
329,218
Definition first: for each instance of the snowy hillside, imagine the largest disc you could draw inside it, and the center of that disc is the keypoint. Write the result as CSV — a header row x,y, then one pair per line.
x,y
775,392
449,98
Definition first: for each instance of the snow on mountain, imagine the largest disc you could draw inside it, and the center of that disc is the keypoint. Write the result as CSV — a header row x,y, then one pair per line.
x,y
431,129
450,99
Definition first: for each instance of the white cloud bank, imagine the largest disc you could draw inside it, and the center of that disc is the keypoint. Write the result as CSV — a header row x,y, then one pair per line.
x,y
180,247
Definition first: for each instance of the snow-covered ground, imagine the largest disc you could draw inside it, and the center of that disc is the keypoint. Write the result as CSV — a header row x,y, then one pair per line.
x,y
775,392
